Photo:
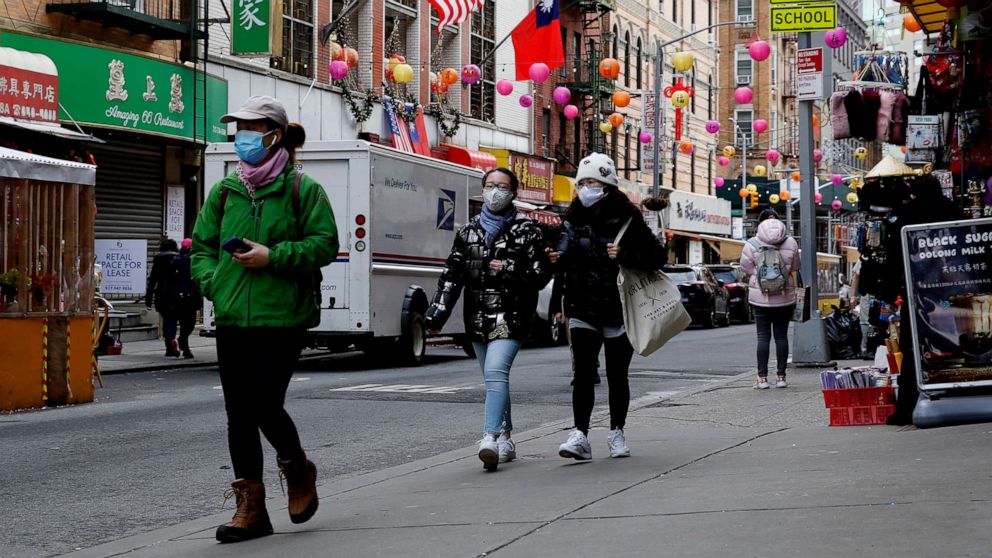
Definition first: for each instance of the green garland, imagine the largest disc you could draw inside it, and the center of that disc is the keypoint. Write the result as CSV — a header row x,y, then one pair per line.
x,y
360,112
447,130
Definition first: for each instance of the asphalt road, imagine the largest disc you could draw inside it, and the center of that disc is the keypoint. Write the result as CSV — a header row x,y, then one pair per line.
x,y
152,451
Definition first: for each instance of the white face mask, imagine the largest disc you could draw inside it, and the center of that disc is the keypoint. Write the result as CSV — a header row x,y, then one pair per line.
x,y
590,195
497,200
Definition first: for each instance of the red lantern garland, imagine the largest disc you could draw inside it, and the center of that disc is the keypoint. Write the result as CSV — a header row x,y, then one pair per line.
x,y
669,91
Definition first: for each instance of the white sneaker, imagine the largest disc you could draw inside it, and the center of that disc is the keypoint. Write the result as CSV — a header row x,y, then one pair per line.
x,y
576,447
618,444
781,383
507,449
762,383
489,452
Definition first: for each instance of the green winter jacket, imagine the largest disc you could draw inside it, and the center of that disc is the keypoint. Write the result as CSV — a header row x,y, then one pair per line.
x,y
282,294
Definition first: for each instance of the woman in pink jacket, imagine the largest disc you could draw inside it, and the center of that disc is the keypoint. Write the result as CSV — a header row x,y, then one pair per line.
x,y
773,296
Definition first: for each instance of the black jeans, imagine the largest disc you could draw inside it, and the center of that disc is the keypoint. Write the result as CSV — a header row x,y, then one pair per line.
x,y
187,322
586,344
256,365
769,319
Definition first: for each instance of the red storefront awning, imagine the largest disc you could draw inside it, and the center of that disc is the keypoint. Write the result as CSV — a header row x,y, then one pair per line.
x,y
468,157
543,217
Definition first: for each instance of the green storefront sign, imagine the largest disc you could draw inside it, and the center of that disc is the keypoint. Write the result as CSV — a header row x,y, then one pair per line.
x,y
251,27
112,88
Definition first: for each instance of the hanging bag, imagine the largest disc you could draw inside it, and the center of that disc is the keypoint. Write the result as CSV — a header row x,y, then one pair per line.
x,y
944,63
652,306
802,310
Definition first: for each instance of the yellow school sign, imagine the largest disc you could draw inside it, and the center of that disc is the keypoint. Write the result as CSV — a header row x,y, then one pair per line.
x,y
798,16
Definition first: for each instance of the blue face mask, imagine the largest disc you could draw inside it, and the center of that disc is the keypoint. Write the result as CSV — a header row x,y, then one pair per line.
x,y
250,146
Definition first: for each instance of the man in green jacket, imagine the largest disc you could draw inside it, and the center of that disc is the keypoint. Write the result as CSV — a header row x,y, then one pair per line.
x,y
260,240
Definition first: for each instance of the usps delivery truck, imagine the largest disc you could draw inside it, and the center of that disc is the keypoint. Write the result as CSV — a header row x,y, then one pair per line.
x,y
397,214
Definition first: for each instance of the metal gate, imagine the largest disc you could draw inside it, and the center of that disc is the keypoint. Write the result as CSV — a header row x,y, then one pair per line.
x,y
130,192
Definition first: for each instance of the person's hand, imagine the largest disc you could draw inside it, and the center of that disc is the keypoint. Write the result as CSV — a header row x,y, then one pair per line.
x,y
495,265
256,258
553,256
557,317
612,250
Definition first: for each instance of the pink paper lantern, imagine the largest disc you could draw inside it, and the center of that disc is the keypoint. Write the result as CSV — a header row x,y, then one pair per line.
x,y
759,50
743,95
561,95
339,69
538,72
836,179
723,161
835,205
712,126
772,156
646,137
471,74
570,111
835,38
817,155
504,87
718,182
760,125
526,101
818,197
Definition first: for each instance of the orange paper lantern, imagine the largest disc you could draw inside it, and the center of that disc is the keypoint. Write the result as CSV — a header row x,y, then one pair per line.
x,y
910,23
785,195
609,68
616,119
795,176
449,76
743,192
685,147
621,99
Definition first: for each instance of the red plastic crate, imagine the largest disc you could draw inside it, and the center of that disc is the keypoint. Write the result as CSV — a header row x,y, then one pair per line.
x,y
858,397
857,416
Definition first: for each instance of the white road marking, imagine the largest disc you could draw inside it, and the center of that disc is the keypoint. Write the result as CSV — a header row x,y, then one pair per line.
x,y
403,388
301,379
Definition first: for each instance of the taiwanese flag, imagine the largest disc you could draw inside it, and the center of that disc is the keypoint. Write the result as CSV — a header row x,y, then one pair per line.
x,y
538,39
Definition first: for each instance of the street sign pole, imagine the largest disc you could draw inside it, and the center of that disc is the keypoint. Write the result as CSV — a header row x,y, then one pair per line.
x,y
658,113
810,346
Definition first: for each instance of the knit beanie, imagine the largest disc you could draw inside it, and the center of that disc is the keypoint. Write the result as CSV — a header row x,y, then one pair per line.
x,y
598,166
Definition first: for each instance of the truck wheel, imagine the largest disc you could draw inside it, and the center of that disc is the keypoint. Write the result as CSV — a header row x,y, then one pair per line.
x,y
414,342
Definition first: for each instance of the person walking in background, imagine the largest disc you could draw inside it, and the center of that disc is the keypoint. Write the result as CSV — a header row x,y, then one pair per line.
x,y
262,235
161,293
770,259
499,259
588,263
187,296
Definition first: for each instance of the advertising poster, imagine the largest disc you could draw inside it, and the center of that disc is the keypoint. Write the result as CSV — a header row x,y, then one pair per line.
x,y
124,264
949,283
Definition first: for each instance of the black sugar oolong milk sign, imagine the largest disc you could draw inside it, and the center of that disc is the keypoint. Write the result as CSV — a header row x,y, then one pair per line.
x,y
949,283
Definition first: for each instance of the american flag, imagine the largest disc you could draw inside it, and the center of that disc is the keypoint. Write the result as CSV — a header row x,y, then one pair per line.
x,y
400,132
453,12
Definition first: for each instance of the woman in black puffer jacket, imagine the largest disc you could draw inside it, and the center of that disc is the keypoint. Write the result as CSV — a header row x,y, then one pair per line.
x,y
499,259
589,262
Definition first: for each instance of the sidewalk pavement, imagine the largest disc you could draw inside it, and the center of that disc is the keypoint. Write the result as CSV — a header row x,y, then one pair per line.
x,y
723,470
144,356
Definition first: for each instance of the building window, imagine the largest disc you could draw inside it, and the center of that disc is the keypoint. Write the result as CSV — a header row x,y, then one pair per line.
x,y
640,62
615,146
563,71
483,102
626,155
709,175
626,59
616,42
577,54
692,107
774,68
661,7
577,140
742,122
562,135
709,97
774,129
297,38
744,68
546,131
692,12
675,10
692,172
745,10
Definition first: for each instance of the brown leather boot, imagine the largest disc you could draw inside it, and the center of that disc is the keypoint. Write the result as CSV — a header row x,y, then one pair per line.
x,y
301,476
251,520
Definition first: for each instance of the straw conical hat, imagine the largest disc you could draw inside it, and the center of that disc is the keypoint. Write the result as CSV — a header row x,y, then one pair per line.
x,y
889,166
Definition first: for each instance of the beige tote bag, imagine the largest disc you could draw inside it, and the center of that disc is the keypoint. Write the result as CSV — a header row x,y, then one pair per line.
x,y
652,306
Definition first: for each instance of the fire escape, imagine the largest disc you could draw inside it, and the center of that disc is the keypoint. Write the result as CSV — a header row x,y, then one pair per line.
x,y
594,90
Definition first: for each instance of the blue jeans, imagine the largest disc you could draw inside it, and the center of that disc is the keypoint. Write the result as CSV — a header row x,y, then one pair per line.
x,y
495,359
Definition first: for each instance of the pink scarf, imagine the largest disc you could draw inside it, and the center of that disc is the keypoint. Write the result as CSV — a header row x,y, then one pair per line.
x,y
255,176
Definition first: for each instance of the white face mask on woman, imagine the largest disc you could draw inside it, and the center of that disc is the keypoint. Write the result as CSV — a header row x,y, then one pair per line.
x,y
497,200
590,195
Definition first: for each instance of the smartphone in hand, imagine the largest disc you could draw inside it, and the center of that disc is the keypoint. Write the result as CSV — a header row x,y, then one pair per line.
x,y
235,245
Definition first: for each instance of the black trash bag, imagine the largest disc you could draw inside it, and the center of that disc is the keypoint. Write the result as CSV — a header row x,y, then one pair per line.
x,y
843,334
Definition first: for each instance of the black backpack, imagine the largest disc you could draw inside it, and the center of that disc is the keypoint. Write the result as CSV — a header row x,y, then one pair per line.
x,y
184,291
317,277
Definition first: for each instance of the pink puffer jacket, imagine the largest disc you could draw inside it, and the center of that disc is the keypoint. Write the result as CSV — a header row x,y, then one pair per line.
x,y
771,231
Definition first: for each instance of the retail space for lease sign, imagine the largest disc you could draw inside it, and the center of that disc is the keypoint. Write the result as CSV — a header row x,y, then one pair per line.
x,y
695,213
124,265
949,283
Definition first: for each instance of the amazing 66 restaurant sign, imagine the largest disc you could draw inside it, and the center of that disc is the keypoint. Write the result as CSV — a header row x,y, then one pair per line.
x,y
696,213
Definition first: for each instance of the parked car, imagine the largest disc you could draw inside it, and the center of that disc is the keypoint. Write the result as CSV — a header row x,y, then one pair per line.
x,y
735,281
703,295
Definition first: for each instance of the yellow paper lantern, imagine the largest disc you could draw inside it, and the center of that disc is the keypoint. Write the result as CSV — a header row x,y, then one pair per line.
x,y
861,153
729,151
682,61
605,127
760,170
403,73
752,188
680,99
773,199
852,197
855,184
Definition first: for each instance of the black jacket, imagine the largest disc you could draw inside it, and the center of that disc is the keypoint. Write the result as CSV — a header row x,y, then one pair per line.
x,y
588,273
498,305
161,283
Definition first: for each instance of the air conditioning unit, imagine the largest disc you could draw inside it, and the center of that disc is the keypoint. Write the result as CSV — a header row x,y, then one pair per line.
x,y
745,18
693,28
711,38
743,80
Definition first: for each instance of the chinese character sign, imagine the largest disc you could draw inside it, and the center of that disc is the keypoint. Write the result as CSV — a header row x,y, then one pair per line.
x,y
28,95
535,177
256,27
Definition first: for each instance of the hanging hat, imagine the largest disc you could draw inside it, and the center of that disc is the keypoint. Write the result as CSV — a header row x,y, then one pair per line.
x,y
889,166
598,166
